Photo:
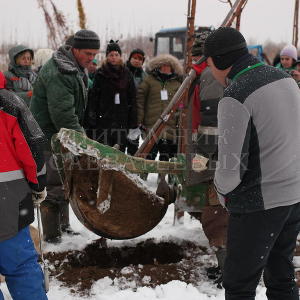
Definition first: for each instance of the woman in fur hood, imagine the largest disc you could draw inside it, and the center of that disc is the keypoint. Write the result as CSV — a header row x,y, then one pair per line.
x,y
153,96
111,109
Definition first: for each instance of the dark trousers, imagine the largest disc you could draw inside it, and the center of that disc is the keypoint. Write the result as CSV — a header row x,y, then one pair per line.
x,y
132,146
257,242
166,148
55,209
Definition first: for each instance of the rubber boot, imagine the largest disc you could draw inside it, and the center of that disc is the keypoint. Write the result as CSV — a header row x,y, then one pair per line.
x,y
64,219
221,255
50,221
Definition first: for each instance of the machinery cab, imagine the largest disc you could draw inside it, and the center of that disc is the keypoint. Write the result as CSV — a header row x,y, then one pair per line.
x,y
257,50
173,40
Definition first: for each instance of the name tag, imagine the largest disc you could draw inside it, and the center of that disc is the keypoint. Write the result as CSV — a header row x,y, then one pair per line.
x,y
117,98
164,95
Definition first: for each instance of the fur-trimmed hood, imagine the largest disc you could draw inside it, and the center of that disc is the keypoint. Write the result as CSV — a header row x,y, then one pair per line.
x,y
162,59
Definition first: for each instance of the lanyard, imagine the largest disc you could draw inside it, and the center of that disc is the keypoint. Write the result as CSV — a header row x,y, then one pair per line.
x,y
246,70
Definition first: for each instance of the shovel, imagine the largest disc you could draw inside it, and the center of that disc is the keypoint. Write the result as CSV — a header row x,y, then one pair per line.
x,y
45,266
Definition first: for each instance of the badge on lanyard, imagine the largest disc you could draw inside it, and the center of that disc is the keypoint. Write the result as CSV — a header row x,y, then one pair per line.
x,y
164,94
117,98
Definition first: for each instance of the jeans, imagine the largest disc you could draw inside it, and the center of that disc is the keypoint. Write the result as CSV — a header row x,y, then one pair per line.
x,y
18,263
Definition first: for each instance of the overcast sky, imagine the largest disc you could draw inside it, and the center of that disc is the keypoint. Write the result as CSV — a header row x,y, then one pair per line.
x,y
22,21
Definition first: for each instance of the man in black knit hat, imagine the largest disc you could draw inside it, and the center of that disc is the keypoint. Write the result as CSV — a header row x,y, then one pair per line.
x,y
59,101
257,178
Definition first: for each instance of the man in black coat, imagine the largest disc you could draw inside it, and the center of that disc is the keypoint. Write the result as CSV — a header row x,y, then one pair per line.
x,y
111,111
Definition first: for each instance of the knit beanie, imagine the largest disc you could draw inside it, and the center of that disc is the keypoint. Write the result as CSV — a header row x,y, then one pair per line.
x,y
198,45
225,46
139,52
113,46
86,39
290,51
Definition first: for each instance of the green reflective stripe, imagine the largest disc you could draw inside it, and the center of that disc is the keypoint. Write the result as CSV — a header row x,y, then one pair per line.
x,y
247,69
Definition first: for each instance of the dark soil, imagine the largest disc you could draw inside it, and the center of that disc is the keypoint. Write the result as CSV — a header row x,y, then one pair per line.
x,y
146,264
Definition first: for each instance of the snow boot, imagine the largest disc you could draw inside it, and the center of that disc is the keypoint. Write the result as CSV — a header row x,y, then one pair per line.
x,y
64,219
51,222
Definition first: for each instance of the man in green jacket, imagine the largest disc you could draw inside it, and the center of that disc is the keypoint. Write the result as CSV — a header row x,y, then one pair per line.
x,y
59,101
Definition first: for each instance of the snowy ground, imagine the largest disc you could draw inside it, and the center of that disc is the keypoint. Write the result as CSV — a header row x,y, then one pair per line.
x,y
106,289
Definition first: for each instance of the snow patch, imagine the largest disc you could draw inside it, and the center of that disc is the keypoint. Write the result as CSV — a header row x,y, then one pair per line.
x,y
104,206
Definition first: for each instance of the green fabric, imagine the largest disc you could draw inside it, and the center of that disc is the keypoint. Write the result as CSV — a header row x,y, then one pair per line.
x,y
91,82
279,66
150,106
59,97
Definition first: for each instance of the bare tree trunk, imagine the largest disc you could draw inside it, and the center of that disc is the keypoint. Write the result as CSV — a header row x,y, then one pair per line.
x,y
82,16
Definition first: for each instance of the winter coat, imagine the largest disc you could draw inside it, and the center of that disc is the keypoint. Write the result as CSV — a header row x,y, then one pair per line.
x,y
259,158
22,166
149,103
211,92
104,111
60,94
20,78
138,73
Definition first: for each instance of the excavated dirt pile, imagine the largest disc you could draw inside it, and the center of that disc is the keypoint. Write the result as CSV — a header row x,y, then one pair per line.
x,y
146,264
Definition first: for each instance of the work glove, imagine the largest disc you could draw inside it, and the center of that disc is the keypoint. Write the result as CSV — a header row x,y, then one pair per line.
x,y
134,134
199,163
195,136
38,197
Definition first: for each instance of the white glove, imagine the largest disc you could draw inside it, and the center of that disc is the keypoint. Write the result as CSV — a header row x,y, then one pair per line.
x,y
38,197
134,134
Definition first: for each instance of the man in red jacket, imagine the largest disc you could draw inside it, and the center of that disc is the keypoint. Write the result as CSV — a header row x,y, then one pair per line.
x,y
22,185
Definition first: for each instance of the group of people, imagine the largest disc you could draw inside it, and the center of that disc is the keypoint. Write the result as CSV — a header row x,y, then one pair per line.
x,y
61,93
245,119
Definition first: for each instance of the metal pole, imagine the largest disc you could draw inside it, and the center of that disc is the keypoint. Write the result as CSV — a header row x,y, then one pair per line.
x,y
45,266
295,23
233,13
190,31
